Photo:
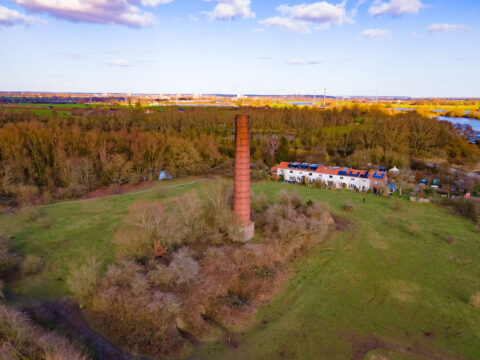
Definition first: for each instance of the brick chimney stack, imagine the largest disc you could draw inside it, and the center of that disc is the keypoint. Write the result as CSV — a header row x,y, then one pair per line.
x,y
241,186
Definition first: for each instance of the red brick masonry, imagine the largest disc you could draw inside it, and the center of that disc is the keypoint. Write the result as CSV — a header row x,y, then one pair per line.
x,y
241,187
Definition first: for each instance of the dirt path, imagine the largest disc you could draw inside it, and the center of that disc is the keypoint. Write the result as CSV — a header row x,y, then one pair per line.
x,y
117,195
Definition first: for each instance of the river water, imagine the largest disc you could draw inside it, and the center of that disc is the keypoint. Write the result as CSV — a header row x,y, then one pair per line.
x,y
475,124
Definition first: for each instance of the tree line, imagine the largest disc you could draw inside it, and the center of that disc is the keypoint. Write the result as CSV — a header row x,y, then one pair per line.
x,y
66,156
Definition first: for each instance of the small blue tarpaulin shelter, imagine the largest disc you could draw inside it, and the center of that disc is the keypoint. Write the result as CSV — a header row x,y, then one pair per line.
x,y
164,176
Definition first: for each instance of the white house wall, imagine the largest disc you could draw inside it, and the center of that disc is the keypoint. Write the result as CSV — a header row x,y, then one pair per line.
x,y
338,181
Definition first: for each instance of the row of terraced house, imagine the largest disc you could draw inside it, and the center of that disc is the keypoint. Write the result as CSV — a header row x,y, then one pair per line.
x,y
332,176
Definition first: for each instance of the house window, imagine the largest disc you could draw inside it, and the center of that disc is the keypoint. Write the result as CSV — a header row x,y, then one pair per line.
x,y
291,172
376,182
310,174
331,177
341,177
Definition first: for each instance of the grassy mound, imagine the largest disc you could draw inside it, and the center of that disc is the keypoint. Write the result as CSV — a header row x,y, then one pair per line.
x,y
387,284
375,290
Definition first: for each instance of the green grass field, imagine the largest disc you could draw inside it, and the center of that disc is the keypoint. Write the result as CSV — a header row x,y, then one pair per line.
x,y
371,291
373,286
66,234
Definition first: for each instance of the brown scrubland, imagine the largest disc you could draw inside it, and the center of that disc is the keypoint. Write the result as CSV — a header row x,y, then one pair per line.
x,y
205,279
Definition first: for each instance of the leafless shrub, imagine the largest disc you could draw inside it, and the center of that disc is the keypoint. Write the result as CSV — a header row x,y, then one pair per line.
x,y
392,221
475,300
161,277
259,202
184,268
349,206
32,264
57,348
397,204
291,225
132,244
413,229
218,194
136,315
147,216
15,328
209,275
286,198
20,339
121,275
83,280
190,214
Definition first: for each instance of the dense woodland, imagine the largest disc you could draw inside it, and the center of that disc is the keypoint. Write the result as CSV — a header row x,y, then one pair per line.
x,y
44,157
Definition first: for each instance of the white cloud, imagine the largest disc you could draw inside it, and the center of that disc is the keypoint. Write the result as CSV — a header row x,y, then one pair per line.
x,y
9,17
123,12
231,9
258,30
155,2
438,28
306,62
396,7
376,33
288,24
304,18
192,18
359,3
265,58
119,62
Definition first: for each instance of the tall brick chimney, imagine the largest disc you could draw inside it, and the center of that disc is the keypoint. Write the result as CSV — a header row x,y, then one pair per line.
x,y
241,182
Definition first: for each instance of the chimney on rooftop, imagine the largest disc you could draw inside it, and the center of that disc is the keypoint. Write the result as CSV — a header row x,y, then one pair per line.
x,y
241,183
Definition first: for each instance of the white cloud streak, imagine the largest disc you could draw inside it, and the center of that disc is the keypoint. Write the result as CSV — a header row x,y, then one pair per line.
x,y
305,18
10,17
396,7
119,62
288,24
439,28
307,62
154,2
375,33
107,12
231,9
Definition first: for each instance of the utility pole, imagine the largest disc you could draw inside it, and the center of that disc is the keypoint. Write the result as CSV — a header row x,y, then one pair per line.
x,y
325,97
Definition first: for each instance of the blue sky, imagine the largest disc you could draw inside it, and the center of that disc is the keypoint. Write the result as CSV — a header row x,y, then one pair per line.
x,y
355,47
